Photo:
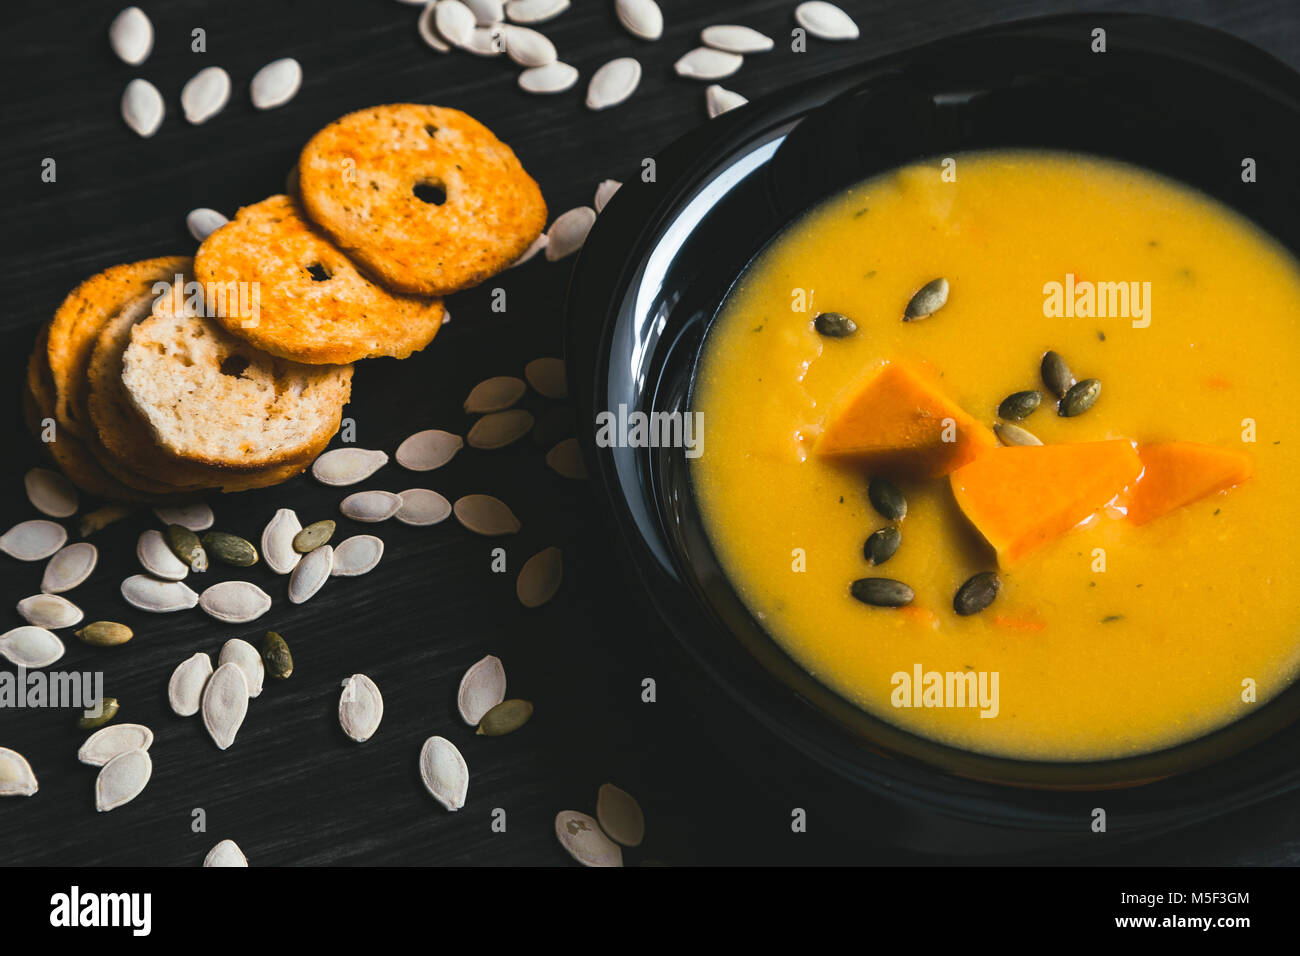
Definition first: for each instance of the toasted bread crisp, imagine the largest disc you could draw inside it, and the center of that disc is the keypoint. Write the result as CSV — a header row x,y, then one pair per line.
x,y
78,320
426,198
312,305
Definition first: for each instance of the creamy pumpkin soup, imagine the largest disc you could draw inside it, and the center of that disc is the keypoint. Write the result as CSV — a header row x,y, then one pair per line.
x,y
1010,460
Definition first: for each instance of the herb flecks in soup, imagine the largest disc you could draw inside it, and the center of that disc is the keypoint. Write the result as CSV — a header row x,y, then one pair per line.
x,y
1111,555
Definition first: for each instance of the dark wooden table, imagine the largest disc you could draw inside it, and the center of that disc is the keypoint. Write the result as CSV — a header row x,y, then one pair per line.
x,y
293,789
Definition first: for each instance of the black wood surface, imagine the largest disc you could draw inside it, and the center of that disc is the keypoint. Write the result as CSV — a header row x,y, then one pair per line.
x,y
293,789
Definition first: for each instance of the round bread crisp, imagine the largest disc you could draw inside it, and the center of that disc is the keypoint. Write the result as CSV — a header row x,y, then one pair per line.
x,y
208,398
358,178
313,305
78,320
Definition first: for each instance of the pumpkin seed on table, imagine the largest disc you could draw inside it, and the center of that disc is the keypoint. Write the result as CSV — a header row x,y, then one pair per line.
x,y
455,22
313,536
641,18
16,777
235,602
278,539
205,94
825,21
481,689
50,493
568,233
142,108
101,518
122,779
422,507
927,300
311,574
357,555
731,38
105,634
227,853
605,191
429,449
881,545
230,549
108,708
361,708
540,577
33,540
370,506
197,516
565,459
494,394
444,772
30,646
69,567
347,466
485,515
131,36
185,544
161,597
225,704
610,85
547,377
542,80
1081,397
719,100
157,557
244,656
1013,435
203,222
886,498
500,429
534,11
619,815
528,48
977,593
428,29
584,840
1055,373
882,592
276,83
49,611
110,742
187,683
705,63
1019,405
834,325
276,657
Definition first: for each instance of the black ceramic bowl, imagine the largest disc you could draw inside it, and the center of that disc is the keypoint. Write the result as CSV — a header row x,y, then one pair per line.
x,y
1182,100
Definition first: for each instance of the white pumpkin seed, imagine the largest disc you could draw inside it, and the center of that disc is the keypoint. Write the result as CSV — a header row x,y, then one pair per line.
x,y
276,83
370,506
203,222
620,815
205,94
825,21
641,18
605,192
235,602
50,493
122,779
444,772
142,107
551,78
69,567
49,611
500,429
704,63
113,741
428,29
30,646
154,555
481,689
537,246
197,516
486,12
613,83
485,515
565,459
528,48
569,232
361,708
455,22
185,688
487,41
547,376
347,466
731,38
540,577
277,541
150,594
16,777
225,704
718,100
311,573
422,507
225,853
494,394
33,540
246,657
535,11
357,555
429,449
583,839
131,36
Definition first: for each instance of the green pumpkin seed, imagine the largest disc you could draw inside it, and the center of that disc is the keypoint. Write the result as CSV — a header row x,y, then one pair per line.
x,y
834,325
230,549
1081,397
881,545
105,634
313,536
506,717
1019,405
882,592
929,299
1056,374
276,656
185,545
1011,435
108,710
887,499
977,593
